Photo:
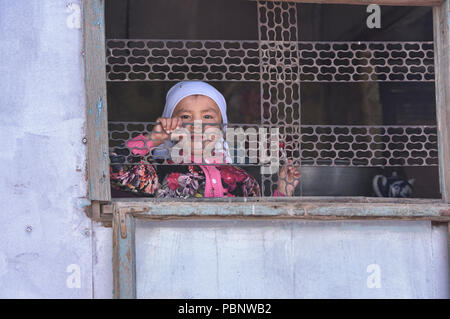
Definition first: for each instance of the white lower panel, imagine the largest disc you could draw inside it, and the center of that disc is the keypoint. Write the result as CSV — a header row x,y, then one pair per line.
x,y
291,259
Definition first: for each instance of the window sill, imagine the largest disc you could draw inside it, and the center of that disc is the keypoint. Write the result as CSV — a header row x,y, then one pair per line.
x,y
310,208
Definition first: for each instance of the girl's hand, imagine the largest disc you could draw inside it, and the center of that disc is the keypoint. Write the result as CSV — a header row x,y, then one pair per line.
x,y
288,179
160,132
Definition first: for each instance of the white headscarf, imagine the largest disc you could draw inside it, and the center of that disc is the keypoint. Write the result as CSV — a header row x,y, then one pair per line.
x,y
187,88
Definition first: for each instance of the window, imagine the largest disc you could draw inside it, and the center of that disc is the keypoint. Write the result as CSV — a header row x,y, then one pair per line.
x,y
397,110
388,84
350,106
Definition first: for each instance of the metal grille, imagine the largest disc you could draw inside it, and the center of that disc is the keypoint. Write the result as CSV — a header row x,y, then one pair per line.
x,y
370,145
280,83
279,62
173,60
215,60
250,145
366,61
321,145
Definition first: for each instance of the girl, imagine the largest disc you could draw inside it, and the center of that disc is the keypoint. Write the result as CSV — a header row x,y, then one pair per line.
x,y
187,102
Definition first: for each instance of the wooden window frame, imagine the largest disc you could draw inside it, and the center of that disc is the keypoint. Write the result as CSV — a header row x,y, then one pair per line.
x,y
123,212
103,206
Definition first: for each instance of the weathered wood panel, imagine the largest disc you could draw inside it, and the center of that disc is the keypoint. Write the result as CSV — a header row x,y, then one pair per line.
x,y
441,21
96,106
304,208
290,259
124,259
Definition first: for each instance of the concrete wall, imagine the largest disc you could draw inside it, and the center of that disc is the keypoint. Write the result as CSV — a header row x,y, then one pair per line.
x,y
47,243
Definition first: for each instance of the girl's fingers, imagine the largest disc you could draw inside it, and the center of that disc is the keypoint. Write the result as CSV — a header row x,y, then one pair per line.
x,y
173,124
288,178
158,126
162,126
282,172
292,172
166,125
179,122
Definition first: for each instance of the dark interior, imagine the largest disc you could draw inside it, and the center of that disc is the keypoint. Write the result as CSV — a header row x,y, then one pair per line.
x,y
322,103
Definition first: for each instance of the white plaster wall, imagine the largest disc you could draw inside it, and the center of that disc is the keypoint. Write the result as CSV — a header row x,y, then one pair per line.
x,y
42,183
102,262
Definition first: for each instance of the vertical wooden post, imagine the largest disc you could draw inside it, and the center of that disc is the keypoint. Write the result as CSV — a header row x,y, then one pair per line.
x,y
95,83
124,257
441,21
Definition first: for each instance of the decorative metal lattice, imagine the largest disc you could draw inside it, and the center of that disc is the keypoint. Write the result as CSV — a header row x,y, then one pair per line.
x,y
279,62
366,61
320,145
173,60
280,83
246,144
370,145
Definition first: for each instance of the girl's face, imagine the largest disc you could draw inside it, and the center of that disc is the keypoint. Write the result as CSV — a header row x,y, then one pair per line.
x,y
198,107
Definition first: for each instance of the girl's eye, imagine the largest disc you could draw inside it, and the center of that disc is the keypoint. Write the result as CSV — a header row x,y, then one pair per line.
x,y
184,117
209,117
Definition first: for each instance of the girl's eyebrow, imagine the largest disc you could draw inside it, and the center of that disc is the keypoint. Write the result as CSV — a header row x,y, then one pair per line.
x,y
208,109
213,109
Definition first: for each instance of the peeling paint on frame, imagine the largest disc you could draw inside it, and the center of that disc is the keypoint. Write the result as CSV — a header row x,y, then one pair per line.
x,y
96,110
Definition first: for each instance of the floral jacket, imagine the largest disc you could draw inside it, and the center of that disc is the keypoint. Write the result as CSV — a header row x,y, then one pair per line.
x,y
181,180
